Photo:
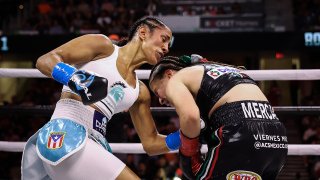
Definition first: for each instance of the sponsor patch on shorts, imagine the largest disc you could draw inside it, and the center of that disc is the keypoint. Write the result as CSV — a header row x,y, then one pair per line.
x,y
240,174
100,123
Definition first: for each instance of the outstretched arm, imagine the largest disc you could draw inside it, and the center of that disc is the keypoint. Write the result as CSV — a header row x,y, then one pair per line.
x,y
153,142
79,50
56,64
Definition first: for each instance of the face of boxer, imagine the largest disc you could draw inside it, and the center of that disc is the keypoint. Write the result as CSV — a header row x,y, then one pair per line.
x,y
155,43
158,87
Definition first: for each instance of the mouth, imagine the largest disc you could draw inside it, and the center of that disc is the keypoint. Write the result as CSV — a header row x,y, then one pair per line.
x,y
160,55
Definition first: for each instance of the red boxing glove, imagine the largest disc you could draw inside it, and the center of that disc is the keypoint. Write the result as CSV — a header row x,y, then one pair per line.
x,y
190,151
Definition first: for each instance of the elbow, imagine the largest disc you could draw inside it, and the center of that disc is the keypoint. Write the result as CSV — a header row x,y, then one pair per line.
x,y
191,119
148,149
191,123
46,62
151,147
40,63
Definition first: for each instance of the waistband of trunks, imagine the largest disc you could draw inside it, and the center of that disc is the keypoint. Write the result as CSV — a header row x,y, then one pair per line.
x,y
237,111
87,116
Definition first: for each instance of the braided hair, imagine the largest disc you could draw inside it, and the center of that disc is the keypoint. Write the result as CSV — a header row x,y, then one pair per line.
x,y
178,63
167,62
149,21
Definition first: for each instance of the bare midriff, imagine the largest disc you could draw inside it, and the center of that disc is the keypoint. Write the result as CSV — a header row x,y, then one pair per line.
x,y
240,92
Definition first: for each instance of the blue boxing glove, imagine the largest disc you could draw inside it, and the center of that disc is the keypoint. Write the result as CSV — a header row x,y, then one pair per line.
x,y
89,87
173,141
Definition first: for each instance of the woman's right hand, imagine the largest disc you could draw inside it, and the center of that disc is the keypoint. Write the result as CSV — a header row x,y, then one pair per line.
x,y
90,87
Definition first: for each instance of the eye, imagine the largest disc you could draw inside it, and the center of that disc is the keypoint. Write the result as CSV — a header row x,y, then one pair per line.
x,y
156,93
165,38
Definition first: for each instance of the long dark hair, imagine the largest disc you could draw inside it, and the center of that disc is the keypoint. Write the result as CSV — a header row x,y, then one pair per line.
x,y
149,21
178,63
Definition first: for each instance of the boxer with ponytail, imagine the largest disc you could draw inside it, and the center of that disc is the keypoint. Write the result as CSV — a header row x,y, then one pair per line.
x,y
221,106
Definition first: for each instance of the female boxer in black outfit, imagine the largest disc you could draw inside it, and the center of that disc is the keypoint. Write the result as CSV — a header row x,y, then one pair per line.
x,y
245,138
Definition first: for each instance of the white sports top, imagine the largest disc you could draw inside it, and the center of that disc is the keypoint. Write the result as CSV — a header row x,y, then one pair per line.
x,y
121,95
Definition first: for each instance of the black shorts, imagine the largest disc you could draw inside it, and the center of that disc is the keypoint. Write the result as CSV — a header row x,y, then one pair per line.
x,y
245,139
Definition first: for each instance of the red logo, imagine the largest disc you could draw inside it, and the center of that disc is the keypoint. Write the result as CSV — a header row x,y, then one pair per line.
x,y
55,140
243,175
213,73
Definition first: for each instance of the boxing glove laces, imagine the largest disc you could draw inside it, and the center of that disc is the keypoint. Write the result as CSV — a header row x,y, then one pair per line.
x,y
90,87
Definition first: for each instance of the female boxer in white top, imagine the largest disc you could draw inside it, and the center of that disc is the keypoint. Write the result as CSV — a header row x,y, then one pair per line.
x,y
99,80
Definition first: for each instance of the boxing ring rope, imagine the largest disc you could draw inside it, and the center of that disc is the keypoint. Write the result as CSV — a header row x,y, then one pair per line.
x,y
259,75
136,148
40,110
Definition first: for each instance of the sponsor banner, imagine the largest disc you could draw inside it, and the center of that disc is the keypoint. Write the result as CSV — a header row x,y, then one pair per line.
x,y
232,23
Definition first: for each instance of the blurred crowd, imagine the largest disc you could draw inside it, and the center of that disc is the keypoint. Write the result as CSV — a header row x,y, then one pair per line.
x,y
307,15
310,128
73,16
116,16
308,125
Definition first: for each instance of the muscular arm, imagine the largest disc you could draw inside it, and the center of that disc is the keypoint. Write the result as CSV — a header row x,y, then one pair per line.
x,y
181,98
153,143
79,50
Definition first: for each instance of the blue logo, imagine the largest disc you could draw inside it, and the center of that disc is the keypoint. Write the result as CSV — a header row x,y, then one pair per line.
x,y
100,123
117,91
85,81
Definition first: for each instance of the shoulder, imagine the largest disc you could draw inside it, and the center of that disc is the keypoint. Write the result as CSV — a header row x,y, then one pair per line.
x,y
98,38
99,42
144,93
190,77
188,72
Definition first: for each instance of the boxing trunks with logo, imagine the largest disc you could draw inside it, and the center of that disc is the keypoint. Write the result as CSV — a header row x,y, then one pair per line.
x,y
71,124
67,131
245,140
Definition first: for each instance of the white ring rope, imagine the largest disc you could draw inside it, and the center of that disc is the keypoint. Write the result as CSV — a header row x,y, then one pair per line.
x,y
136,148
258,75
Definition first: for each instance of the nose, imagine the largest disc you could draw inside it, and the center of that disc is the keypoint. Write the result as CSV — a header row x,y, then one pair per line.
x,y
165,48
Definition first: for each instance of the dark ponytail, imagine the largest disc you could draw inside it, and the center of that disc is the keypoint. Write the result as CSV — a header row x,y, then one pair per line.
x,y
178,63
